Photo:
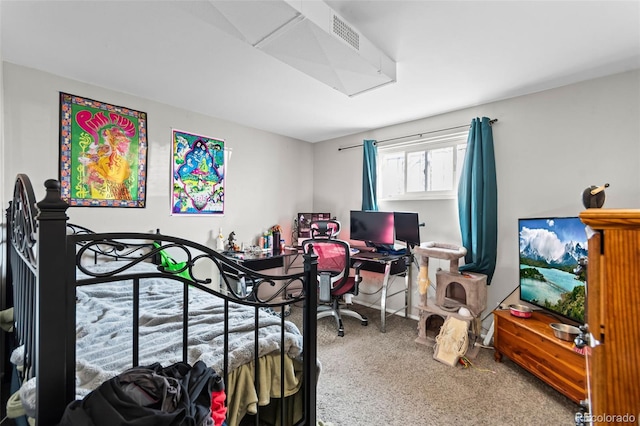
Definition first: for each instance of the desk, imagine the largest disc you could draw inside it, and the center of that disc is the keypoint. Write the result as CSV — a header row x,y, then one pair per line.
x,y
391,266
266,259
260,262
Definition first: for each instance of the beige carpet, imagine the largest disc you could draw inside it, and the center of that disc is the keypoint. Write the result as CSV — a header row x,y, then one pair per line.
x,y
374,378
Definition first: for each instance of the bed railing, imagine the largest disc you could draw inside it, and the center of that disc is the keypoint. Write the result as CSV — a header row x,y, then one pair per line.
x,y
22,267
49,267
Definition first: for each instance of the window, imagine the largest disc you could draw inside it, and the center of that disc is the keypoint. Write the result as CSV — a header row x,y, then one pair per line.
x,y
421,169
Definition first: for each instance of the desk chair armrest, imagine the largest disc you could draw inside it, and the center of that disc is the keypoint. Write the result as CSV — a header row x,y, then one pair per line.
x,y
357,277
324,287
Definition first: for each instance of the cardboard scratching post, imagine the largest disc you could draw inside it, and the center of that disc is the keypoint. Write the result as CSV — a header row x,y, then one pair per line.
x,y
452,342
438,251
455,293
466,289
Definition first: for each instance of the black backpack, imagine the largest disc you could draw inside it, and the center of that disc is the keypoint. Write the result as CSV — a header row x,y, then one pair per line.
x,y
177,395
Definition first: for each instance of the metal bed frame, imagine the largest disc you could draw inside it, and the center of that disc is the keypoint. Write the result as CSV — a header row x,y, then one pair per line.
x,y
44,256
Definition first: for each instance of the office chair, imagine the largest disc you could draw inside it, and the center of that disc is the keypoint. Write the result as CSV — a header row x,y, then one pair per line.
x,y
335,284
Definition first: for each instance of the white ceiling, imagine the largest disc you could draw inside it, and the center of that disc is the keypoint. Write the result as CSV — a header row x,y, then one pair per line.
x,y
450,55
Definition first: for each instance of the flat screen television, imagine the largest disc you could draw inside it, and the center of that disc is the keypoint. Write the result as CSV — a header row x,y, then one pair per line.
x,y
373,227
551,252
407,227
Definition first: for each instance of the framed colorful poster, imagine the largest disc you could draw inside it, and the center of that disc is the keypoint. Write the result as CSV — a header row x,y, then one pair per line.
x,y
103,153
197,174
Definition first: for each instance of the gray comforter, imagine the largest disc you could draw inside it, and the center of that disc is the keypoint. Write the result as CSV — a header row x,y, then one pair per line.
x,y
104,329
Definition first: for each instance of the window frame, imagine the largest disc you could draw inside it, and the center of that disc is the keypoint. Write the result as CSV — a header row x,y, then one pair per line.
x,y
451,139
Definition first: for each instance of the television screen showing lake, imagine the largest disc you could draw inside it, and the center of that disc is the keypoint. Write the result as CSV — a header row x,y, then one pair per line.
x,y
553,259
556,283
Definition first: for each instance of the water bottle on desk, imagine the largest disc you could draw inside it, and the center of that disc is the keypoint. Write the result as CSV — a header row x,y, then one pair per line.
x,y
220,241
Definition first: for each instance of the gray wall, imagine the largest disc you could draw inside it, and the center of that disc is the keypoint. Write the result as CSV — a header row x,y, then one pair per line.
x,y
264,183
549,146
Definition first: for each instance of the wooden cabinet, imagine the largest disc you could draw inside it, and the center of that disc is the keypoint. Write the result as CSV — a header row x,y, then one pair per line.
x,y
613,315
530,343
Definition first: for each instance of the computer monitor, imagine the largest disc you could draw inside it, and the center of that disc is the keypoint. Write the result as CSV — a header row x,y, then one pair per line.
x,y
373,227
407,227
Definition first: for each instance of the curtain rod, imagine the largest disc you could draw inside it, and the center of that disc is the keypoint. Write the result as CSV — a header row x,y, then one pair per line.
x,y
417,134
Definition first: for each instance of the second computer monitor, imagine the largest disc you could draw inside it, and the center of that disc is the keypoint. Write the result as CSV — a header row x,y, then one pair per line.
x,y
407,227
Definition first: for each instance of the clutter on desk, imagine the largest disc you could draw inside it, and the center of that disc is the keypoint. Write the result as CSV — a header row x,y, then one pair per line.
x,y
276,242
271,239
220,240
232,243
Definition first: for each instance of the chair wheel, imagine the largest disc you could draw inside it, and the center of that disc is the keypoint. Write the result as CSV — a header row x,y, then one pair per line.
x,y
341,333
364,322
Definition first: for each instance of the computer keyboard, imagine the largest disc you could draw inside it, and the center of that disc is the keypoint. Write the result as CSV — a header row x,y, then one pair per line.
x,y
369,255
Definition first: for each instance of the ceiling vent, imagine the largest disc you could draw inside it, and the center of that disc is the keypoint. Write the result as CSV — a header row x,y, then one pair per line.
x,y
311,37
345,32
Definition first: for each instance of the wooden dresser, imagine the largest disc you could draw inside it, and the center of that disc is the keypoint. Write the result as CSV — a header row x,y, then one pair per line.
x,y
530,343
613,315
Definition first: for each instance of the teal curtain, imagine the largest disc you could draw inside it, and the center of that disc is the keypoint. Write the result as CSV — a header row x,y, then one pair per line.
x,y
478,201
369,176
